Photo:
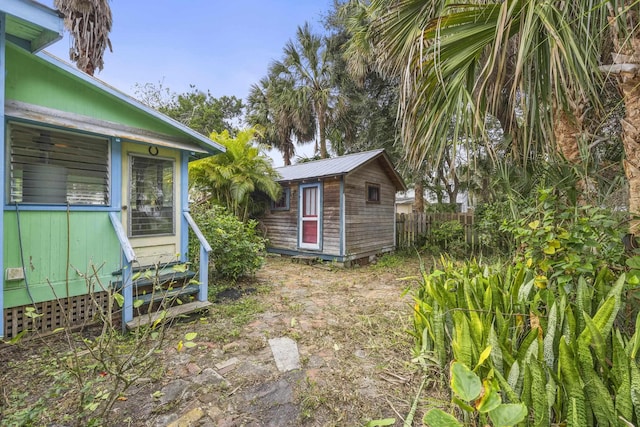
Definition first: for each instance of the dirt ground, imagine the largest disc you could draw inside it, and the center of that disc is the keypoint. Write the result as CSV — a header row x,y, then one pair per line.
x,y
349,326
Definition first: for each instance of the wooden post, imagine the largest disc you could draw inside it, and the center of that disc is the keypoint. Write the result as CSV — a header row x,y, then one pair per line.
x,y
204,274
127,291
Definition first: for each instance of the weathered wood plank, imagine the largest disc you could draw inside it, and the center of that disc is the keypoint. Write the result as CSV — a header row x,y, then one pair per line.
x,y
171,313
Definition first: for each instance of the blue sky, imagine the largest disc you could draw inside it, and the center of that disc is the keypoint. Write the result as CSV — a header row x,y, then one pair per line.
x,y
219,45
223,46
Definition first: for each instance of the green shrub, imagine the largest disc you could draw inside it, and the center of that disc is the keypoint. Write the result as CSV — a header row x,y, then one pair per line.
x,y
546,330
237,249
445,236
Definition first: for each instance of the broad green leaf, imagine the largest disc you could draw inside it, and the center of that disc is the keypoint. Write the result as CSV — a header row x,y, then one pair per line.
x,y
119,299
490,400
464,382
138,303
381,422
633,262
190,336
180,268
438,418
190,344
508,414
534,224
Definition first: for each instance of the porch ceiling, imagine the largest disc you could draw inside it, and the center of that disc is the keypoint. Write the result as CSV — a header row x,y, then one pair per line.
x,y
30,24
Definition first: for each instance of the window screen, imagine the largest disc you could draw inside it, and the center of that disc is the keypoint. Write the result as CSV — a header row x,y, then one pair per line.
x,y
151,196
373,193
282,204
54,167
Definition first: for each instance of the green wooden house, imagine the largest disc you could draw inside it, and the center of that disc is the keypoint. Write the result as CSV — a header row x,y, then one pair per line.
x,y
92,179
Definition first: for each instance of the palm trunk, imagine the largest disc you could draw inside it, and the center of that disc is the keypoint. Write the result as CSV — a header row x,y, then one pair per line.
x,y
418,203
630,86
567,131
322,130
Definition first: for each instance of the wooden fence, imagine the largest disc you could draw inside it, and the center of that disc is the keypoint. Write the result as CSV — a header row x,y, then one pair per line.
x,y
411,229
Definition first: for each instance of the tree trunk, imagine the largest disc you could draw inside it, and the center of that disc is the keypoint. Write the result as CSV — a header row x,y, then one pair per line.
x,y
567,130
418,203
630,86
322,130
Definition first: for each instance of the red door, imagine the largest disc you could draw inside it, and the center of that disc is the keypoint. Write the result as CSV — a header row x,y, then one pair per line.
x,y
309,217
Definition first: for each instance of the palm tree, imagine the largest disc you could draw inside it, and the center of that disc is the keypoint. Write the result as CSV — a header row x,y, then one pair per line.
x,y
231,177
89,22
307,62
275,107
520,61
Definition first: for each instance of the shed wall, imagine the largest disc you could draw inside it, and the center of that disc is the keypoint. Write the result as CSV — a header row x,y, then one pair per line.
x,y
369,226
281,226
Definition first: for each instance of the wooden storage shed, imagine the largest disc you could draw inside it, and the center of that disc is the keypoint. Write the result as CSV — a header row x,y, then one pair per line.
x,y
92,178
340,209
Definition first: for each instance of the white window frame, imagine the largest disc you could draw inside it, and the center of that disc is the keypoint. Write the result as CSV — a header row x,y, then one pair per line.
x,y
318,218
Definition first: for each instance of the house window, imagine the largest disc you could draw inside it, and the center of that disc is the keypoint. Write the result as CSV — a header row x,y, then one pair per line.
x,y
282,204
55,168
373,193
151,197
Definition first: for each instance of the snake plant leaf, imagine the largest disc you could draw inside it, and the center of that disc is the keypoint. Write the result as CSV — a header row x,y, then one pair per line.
x,y
438,418
464,382
508,414
483,356
636,339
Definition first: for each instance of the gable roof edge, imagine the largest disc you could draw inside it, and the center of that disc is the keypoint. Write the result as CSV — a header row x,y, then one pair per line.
x,y
207,144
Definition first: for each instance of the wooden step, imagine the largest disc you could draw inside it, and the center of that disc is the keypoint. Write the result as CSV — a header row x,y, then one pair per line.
x,y
162,280
171,313
153,267
167,295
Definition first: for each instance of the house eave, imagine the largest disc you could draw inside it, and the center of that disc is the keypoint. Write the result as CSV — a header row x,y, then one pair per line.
x,y
31,25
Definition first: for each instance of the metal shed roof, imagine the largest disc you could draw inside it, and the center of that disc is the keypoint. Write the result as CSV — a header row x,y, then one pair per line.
x,y
339,166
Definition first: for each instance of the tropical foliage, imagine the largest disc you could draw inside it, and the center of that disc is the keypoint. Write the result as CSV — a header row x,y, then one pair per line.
x,y
550,330
275,107
231,178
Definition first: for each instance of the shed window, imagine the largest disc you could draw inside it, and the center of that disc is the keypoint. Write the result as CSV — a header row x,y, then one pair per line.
x,y
151,196
373,193
55,168
282,204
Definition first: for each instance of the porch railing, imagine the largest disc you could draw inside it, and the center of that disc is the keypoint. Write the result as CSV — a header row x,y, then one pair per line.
x,y
128,257
205,248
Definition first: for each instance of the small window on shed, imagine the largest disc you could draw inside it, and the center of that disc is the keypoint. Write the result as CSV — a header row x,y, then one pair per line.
x,y
282,204
373,193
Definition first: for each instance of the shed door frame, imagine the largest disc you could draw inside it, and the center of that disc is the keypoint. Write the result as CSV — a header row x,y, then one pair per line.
x,y
310,216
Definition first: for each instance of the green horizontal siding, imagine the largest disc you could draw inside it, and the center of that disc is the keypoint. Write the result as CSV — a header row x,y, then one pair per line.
x,y
33,80
45,239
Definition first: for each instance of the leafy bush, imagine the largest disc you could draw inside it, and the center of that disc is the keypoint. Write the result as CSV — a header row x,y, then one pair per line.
x,y
237,249
491,239
446,236
563,242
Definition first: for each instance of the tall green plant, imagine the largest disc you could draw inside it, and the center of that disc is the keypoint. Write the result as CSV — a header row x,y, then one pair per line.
x,y
230,178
